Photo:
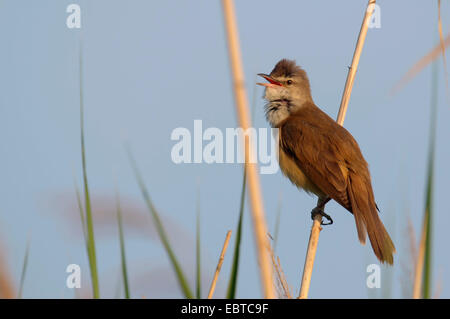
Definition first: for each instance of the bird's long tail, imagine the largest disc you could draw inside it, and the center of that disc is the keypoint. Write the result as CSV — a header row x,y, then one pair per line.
x,y
367,220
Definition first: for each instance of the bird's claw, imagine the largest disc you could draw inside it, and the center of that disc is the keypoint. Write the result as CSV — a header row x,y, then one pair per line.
x,y
319,211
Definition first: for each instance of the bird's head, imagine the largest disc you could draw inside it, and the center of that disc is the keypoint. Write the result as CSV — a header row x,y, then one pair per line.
x,y
286,91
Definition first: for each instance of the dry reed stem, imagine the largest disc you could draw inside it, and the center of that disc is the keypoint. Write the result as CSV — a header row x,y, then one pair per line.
x,y
280,274
418,272
258,215
219,265
352,71
421,64
310,257
7,290
283,279
315,230
441,40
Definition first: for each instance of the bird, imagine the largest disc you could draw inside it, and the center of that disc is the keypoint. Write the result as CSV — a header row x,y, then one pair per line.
x,y
320,156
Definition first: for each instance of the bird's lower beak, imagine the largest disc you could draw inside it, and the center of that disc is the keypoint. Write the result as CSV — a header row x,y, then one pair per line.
x,y
272,82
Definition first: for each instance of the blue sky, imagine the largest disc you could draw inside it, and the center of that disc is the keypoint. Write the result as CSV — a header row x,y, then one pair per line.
x,y
153,66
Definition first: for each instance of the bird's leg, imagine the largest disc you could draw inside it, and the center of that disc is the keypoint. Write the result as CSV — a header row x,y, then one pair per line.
x,y
318,210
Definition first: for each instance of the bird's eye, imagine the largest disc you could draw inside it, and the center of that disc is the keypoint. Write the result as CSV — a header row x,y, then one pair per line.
x,y
289,82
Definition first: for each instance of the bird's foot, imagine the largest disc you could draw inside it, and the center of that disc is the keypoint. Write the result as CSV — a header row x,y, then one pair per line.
x,y
319,211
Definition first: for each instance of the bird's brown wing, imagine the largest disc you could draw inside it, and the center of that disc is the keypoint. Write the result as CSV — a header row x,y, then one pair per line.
x,y
319,149
330,157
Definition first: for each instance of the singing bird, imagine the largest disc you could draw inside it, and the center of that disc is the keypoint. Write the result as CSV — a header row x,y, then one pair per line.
x,y
320,156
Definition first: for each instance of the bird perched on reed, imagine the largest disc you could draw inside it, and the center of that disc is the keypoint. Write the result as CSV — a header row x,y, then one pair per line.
x,y
320,156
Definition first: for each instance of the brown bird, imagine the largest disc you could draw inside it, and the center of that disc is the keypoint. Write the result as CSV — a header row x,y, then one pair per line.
x,y
320,156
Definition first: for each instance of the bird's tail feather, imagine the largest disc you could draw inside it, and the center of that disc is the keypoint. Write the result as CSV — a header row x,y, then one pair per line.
x,y
367,219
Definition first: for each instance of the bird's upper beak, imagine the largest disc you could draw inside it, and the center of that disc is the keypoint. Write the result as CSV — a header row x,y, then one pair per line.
x,y
272,81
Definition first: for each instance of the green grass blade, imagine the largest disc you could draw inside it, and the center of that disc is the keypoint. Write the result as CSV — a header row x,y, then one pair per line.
x,y
161,231
232,285
24,269
82,217
198,252
89,222
80,209
122,249
429,188
231,293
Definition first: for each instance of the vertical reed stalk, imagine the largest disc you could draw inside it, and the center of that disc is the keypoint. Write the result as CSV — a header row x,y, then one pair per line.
x,y
219,265
418,271
258,215
315,230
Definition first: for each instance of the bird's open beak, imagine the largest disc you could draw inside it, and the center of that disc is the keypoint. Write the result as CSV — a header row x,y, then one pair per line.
x,y
272,82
